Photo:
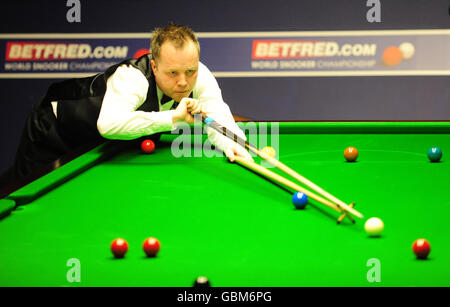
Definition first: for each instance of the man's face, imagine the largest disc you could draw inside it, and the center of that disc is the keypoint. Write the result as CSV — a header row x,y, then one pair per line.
x,y
176,70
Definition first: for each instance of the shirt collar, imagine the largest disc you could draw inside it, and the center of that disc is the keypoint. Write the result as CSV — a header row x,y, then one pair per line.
x,y
161,95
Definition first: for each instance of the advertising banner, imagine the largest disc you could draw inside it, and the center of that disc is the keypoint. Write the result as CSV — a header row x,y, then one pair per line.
x,y
238,54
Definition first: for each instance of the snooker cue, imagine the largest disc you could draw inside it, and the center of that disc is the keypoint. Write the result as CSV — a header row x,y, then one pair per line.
x,y
226,132
281,180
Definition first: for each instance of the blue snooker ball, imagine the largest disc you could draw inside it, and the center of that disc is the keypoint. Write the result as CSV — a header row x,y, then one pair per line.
x,y
434,154
299,200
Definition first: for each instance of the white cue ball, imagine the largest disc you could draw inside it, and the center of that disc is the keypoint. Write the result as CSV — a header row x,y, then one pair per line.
x,y
374,226
407,50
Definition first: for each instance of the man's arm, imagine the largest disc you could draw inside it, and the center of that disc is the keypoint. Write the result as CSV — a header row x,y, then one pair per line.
x,y
126,91
208,92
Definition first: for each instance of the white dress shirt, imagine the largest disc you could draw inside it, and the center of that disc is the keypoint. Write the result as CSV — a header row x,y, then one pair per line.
x,y
127,90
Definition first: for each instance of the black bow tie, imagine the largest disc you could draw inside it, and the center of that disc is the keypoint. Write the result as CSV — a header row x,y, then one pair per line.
x,y
165,99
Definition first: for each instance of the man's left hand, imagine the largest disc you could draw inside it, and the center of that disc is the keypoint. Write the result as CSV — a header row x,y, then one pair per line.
x,y
234,150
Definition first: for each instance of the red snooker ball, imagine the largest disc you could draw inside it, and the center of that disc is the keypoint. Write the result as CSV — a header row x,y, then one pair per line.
x,y
350,154
421,248
119,248
151,247
147,146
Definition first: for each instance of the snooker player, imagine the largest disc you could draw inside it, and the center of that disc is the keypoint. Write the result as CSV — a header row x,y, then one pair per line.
x,y
135,98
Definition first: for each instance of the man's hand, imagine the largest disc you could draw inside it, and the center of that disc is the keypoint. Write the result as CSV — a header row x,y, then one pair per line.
x,y
194,106
185,110
234,150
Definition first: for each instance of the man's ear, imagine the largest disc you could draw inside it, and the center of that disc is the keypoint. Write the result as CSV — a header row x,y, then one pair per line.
x,y
153,64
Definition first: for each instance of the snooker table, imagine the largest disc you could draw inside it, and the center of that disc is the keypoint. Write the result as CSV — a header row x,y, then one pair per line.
x,y
221,220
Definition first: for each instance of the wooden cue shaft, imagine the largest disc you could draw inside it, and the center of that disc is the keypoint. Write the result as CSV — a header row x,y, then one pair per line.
x,y
308,183
212,123
277,178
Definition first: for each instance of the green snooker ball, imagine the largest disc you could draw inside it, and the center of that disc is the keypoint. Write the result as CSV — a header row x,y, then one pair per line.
x,y
434,154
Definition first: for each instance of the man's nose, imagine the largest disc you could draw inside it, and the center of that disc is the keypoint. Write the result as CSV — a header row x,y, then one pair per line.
x,y
182,81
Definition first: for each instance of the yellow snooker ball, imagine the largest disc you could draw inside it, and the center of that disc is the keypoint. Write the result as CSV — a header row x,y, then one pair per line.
x,y
269,151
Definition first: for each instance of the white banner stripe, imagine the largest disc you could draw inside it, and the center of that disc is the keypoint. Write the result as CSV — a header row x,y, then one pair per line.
x,y
242,74
367,73
231,34
75,35
324,33
45,75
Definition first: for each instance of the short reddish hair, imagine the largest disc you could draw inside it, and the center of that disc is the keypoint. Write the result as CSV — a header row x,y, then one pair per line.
x,y
178,35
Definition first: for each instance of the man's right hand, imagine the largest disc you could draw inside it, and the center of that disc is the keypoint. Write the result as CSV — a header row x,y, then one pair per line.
x,y
185,110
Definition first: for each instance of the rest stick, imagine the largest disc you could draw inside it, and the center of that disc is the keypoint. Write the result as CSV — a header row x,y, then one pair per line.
x,y
215,125
279,179
346,215
309,184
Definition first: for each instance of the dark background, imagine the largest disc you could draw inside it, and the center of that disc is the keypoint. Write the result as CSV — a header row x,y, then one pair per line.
x,y
320,98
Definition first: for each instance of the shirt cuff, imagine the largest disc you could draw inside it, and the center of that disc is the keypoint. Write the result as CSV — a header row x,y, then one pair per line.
x,y
166,121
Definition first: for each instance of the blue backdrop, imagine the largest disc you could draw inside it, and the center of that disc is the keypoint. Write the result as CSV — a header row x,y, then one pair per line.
x,y
261,98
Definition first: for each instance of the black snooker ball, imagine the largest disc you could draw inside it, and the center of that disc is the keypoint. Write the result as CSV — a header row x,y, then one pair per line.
x,y
202,282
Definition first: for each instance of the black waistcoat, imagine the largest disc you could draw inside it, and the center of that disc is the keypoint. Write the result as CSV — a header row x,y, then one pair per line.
x,y
80,101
